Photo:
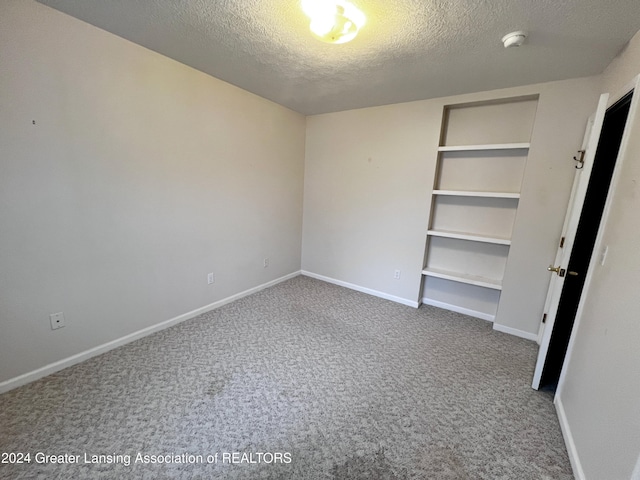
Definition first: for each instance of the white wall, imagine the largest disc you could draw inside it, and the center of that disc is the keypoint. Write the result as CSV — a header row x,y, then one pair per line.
x,y
623,68
368,177
139,176
368,180
601,388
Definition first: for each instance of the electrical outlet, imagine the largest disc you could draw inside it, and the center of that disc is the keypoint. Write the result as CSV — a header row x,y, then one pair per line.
x,y
266,262
211,278
57,320
396,275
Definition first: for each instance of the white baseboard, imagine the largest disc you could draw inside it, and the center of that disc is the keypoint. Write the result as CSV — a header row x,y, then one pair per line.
x,y
92,352
578,473
516,332
352,286
456,308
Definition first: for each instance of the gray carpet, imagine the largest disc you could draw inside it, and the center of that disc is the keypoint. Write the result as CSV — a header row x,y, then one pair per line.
x,y
349,385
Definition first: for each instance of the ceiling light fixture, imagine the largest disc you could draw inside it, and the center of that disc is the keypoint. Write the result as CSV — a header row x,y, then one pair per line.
x,y
514,39
333,21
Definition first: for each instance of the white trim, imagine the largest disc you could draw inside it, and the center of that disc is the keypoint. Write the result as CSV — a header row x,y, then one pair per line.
x,y
105,347
515,331
358,288
456,308
597,247
636,471
576,466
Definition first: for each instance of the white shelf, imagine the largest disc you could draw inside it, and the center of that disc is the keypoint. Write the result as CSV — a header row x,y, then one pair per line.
x,y
469,193
464,278
474,237
494,146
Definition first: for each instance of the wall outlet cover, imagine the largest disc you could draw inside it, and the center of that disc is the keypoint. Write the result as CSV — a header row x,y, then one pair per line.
x,y
57,320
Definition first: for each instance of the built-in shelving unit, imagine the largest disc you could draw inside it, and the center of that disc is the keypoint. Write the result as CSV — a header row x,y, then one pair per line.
x,y
479,171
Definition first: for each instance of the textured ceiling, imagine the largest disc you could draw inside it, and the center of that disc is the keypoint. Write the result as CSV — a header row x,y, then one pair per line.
x,y
408,50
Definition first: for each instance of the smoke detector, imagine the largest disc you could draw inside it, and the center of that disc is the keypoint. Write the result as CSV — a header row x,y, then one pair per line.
x,y
514,39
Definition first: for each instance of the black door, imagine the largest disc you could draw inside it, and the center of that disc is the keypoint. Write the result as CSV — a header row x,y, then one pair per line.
x,y
605,159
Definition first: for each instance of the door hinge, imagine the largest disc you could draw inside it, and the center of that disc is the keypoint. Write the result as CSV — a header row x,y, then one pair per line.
x,y
544,318
580,160
562,242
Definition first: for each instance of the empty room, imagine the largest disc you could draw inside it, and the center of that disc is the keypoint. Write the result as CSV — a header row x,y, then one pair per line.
x,y
319,239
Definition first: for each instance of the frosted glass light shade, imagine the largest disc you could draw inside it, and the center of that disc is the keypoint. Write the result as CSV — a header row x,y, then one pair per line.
x,y
333,21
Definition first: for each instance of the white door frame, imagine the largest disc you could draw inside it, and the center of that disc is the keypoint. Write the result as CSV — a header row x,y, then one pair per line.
x,y
622,153
636,471
572,218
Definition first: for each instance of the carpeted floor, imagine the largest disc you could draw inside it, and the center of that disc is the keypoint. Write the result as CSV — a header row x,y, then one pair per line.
x,y
310,381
